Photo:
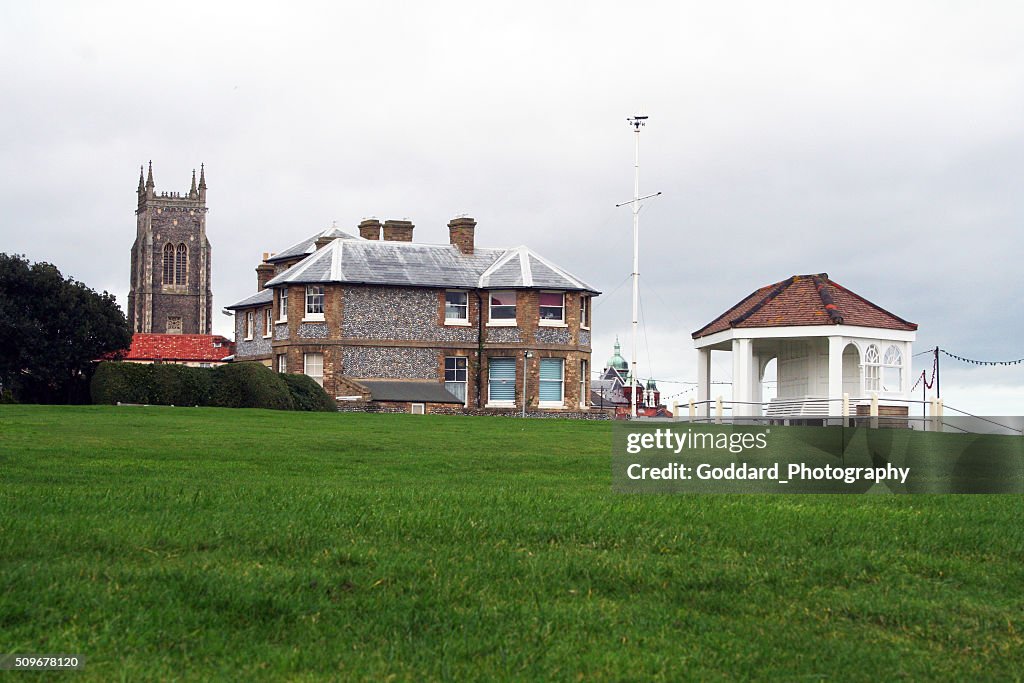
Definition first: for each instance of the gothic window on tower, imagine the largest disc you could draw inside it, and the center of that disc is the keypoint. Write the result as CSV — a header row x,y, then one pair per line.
x,y
181,265
168,264
175,264
174,324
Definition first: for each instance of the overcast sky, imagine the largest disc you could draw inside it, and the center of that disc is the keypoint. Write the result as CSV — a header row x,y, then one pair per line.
x,y
878,142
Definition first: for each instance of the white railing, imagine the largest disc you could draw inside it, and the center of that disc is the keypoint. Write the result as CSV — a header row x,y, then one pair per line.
x,y
844,411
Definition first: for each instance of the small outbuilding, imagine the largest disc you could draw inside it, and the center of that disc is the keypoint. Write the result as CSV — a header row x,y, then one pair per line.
x,y
196,350
835,351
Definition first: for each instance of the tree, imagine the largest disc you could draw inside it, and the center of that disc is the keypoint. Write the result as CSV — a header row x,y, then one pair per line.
x,y
52,330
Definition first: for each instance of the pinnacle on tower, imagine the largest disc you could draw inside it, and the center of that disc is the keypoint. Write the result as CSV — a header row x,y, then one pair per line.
x,y
142,187
149,177
192,191
202,177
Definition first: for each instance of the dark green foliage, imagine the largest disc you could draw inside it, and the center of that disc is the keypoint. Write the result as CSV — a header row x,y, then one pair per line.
x,y
179,385
236,385
52,330
197,385
121,383
307,394
250,385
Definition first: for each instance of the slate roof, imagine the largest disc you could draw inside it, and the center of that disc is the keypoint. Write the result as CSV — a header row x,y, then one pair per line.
x,y
412,391
204,348
804,300
308,245
380,262
264,297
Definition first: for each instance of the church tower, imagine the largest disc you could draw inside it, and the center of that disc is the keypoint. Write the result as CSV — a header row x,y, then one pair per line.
x,y
170,291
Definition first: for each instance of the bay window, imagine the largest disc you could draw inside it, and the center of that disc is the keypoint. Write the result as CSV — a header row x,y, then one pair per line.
x,y
552,385
314,302
552,308
313,366
583,384
502,308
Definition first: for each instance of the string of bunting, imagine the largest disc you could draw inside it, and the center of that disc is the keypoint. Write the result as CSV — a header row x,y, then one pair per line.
x,y
982,362
928,384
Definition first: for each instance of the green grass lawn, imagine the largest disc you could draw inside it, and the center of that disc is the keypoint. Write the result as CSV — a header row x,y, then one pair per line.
x,y
199,544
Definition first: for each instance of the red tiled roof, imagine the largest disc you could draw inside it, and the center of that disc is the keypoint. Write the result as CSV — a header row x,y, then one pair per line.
x,y
203,348
804,300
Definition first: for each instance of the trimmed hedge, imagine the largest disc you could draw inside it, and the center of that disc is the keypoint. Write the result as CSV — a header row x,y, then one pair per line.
x,y
250,385
307,394
120,383
235,385
179,385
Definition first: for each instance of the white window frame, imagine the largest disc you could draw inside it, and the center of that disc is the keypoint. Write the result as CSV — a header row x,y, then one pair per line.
x,y
417,409
872,369
584,312
307,366
583,383
456,321
502,322
282,362
551,322
268,322
250,323
282,305
892,361
457,370
313,316
510,403
561,387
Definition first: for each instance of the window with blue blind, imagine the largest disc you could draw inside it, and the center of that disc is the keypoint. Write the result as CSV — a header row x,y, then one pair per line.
x,y
551,384
501,380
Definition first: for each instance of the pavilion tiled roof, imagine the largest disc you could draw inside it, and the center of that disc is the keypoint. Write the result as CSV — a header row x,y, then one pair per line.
x,y
804,300
202,348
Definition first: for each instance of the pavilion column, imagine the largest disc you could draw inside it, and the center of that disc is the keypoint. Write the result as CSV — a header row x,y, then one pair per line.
x,y
755,386
742,360
835,375
703,380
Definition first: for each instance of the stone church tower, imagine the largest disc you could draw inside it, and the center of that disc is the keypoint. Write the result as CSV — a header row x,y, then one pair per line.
x,y
170,291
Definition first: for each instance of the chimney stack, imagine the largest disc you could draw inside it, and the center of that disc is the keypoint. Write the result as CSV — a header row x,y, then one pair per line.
x,y
369,229
460,232
398,231
264,272
323,241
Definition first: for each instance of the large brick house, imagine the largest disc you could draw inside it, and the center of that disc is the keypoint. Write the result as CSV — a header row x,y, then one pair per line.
x,y
382,321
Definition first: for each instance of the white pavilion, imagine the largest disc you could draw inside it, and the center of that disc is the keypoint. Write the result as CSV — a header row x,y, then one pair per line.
x,y
835,351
